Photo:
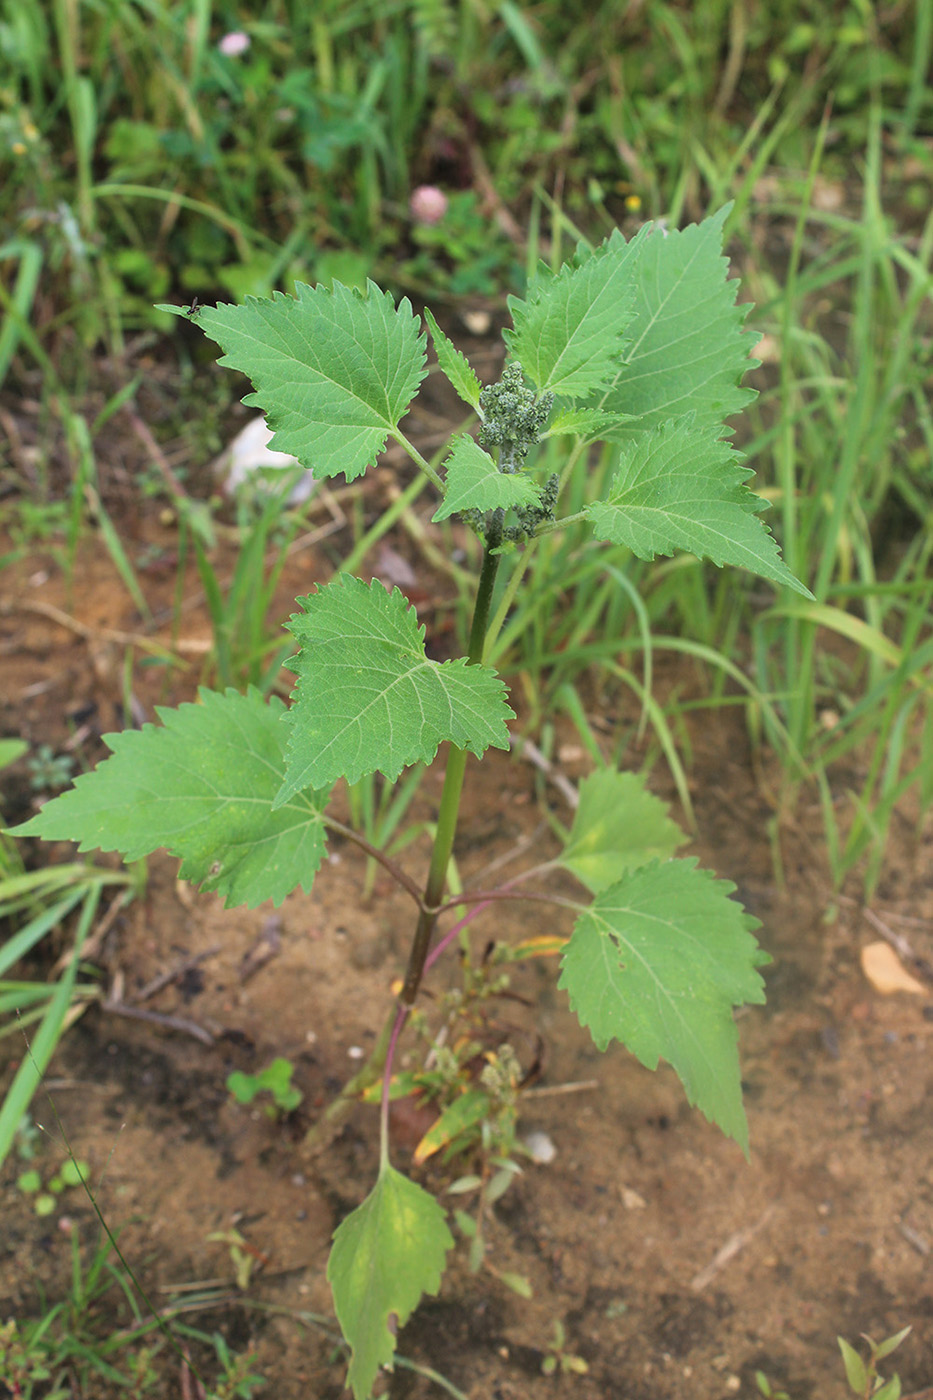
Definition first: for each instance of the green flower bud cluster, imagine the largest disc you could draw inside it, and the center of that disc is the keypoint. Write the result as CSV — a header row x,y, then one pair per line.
x,y
513,417
530,517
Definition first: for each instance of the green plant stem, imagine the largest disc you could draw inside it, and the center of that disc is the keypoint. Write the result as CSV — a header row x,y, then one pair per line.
x,y
453,786
419,461
320,1134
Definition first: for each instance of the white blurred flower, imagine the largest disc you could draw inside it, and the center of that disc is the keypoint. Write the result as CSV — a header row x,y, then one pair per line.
x,y
234,44
428,204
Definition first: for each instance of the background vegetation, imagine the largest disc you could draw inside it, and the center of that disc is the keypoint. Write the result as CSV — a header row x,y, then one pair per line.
x,y
156,151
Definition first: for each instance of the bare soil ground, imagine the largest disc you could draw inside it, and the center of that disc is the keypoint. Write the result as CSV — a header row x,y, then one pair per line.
x,y
676,1267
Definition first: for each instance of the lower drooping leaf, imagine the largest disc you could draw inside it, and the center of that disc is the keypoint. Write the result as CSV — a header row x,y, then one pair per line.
x,y
368,699
658,962
386,1254
617,827
200,786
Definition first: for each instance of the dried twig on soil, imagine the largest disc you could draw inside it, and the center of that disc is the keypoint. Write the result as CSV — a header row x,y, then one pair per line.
x,y
171,1023
267,946
920,1242
173,973
550,1091
729,1250
564,786
88,633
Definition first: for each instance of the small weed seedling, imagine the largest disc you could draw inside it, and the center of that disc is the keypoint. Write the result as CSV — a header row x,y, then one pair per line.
x,y
46,1196
862,1376
638,345
275,1079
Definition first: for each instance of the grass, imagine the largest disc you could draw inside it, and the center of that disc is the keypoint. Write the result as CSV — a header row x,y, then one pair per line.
x,y
75,1350
142,164
232,174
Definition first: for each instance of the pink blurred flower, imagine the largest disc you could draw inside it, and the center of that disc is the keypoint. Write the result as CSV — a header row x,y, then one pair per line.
x,y
428,204
234,44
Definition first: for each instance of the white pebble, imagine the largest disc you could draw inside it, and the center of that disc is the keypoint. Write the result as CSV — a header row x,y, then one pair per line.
x,y
540,1148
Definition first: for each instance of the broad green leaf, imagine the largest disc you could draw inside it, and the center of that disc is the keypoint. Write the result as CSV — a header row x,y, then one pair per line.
x,y
687,350
334,371
368,698
682,487
389,1252
474,482
658,962
618,827
202,787
572,330
454,364
589,423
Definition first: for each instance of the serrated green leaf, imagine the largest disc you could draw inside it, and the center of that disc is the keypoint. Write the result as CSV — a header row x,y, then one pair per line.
x,y
201,785
856,1370
367,697
682,487
334,371
687,350
454,364
474,482
589,423
570,332
658,962
389,1252
618,827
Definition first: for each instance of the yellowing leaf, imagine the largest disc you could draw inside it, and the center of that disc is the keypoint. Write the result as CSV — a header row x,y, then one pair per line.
x,y
386,1254
465,1112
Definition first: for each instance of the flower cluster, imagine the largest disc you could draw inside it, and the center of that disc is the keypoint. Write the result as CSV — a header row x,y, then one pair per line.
x,y
513,417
